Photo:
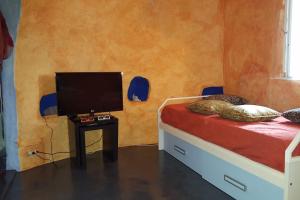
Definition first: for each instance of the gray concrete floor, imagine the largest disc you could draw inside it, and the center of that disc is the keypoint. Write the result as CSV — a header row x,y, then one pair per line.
x,y
140,173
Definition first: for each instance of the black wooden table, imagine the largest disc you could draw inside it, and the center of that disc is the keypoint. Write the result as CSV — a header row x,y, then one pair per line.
x,y
77,131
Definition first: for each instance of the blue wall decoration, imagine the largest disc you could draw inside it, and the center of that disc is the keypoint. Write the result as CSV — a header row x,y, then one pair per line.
x,y
212,91
138,89
48,104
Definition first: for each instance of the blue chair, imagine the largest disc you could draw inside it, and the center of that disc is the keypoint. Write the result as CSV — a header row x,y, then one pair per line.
x,y
212,90
48,104
138,89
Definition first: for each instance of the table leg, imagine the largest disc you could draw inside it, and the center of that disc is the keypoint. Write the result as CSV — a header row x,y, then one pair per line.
x,y
110,143
81,149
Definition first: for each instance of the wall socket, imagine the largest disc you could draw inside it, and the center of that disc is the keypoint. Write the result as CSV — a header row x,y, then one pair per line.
x,y
31,152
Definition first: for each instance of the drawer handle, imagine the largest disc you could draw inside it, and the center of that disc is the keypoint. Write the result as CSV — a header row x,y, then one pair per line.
x,y
235,183
179,150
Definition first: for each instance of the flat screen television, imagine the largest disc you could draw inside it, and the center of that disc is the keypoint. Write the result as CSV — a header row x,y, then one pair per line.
x,y
88,92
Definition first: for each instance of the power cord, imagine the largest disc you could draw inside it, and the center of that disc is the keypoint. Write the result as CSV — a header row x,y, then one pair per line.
x,y
51,136
66,152
51,146
145,145
42,158
99,140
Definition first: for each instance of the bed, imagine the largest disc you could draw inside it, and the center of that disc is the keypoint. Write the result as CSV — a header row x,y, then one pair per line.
x,y
245,160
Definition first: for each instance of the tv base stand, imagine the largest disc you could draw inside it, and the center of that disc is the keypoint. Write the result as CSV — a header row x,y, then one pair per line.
x,y
77,131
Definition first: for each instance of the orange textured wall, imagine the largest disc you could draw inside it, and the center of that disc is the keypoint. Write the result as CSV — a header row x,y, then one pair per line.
x,y
177,45
253,53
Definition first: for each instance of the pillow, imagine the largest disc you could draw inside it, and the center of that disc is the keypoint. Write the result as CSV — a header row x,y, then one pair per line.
x,y
233,99
249,113
292,115
208,107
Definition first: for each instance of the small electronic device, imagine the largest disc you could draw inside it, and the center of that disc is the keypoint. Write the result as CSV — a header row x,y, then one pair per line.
x,y
103,117
87,119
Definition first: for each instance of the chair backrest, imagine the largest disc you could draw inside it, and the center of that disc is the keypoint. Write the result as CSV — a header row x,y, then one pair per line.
x,y
48,104
212,90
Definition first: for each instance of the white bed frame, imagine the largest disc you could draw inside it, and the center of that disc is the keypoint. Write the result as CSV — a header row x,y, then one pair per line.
x,y
289,181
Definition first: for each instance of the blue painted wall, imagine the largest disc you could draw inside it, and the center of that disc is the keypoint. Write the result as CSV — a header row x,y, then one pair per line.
x,y
11,11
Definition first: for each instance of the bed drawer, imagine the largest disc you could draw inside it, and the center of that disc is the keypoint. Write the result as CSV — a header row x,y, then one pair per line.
x,y
232,180
184,152
237,182
177,148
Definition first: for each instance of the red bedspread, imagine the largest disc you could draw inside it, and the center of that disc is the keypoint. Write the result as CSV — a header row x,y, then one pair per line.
x,y
263,142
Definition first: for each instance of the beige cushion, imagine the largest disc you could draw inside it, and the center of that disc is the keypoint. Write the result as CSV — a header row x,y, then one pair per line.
x,y
249,113
233,99
208,107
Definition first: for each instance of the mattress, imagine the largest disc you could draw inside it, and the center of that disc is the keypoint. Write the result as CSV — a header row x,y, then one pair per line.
x,y
263,142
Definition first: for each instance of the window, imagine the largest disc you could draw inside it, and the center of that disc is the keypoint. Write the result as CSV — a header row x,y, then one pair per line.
x,y
292,57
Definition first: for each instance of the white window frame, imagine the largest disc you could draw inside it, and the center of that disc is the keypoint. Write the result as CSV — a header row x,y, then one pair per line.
x,y
287,40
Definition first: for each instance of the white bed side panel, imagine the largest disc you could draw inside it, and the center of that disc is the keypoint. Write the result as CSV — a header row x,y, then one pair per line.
x,y
273,176
294,180
292,171
234,181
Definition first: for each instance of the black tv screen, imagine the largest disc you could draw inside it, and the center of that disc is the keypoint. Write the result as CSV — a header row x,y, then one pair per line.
x,y
88,92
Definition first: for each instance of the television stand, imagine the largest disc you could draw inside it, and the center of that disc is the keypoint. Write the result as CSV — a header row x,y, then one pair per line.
x,y
77,130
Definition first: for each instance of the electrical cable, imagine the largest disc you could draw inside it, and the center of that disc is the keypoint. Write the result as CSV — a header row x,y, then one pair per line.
x,y
51,136
89,153
40,157
61,152
66,152
145,145
51,145
99,140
